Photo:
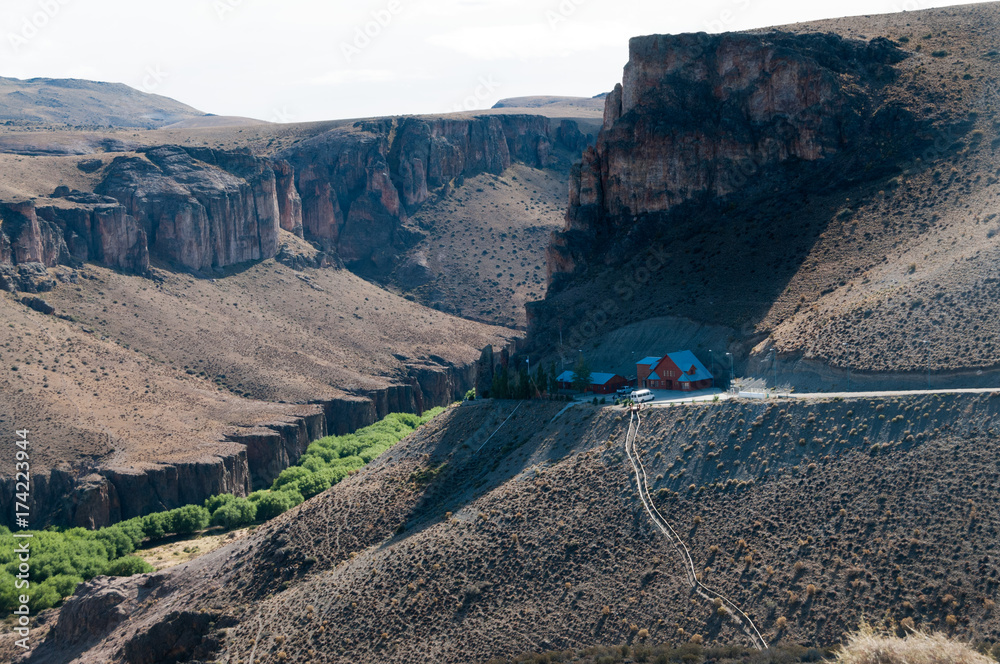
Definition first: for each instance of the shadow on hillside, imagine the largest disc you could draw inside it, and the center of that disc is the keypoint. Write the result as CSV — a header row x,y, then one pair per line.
x,y
789,236
475,466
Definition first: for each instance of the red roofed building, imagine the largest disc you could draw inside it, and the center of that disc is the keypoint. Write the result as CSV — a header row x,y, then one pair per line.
x,y
600,383
673,371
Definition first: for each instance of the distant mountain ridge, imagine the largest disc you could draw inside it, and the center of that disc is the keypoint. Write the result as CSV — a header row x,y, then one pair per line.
x,y
80,102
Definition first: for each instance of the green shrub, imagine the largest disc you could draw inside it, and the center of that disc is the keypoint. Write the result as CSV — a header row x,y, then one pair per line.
x,y
133,528
128,566
274,503
257,495
117,541
315,484
156,525
188,519
217,501
290,476
235,513
63,559
43,596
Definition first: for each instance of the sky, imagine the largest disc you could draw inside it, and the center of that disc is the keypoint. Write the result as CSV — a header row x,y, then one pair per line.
x,y
299,60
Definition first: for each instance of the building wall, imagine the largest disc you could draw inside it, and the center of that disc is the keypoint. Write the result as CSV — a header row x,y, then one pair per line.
x,y
610,387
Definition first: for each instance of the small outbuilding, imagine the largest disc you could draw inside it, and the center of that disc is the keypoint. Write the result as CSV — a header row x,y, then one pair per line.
x,y
600,383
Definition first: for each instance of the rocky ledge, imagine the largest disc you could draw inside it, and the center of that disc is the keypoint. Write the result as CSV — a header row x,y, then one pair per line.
x,y
359,185
247,458
699,118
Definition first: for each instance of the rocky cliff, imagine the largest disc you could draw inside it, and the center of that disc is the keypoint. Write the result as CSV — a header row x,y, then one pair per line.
x,y
725,183
350,191
359,185
700,118
249,457
197,208
203,209
40,237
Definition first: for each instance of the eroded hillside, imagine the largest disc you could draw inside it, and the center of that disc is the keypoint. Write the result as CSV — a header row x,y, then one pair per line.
x,y
213,257
148,393
461,546
826,190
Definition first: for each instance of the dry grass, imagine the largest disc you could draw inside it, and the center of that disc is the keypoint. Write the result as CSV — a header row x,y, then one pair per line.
x,y
479,594
868,646
851,274
144,362
486,244
184,550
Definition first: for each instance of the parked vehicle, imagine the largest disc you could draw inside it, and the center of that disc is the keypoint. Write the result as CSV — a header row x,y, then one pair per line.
x,y
639,396
625,390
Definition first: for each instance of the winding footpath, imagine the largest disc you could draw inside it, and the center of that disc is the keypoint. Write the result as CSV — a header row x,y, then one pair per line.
x,y
732,610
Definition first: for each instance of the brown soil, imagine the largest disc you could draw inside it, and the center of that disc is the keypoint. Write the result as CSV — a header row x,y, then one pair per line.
x,y
143,364
818,513
859,273
487,242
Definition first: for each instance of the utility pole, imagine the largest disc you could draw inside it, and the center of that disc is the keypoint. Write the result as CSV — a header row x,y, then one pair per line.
x,y
927,345
732,373
711,363
848,368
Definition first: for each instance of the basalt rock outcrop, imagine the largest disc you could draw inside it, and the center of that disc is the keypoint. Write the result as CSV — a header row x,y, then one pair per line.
x,y
48,236
248,458
202,209
700,118
349,191
359,185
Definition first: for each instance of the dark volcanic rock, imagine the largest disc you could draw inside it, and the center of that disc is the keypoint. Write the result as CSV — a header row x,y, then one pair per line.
x,y
39,305
200,208
27,278
484,373
359,184
106,234
30,239
289,202
701,117
90,165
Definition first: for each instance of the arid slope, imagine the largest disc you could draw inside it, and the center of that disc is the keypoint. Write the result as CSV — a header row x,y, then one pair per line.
x,y
831,264
268,332
461,547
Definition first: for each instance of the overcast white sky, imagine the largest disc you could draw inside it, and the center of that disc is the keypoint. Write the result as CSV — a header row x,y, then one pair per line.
x,y
299,60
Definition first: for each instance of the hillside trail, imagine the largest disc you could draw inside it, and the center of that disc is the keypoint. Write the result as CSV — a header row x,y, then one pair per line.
x,y
709,594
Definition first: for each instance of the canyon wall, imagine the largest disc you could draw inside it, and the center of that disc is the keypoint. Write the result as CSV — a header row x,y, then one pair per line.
x,y
699,118
360,184
196,208
203,209
248,458
33,238
350,191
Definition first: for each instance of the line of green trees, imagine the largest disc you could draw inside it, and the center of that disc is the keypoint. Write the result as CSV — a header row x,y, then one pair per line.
x,y
61,559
